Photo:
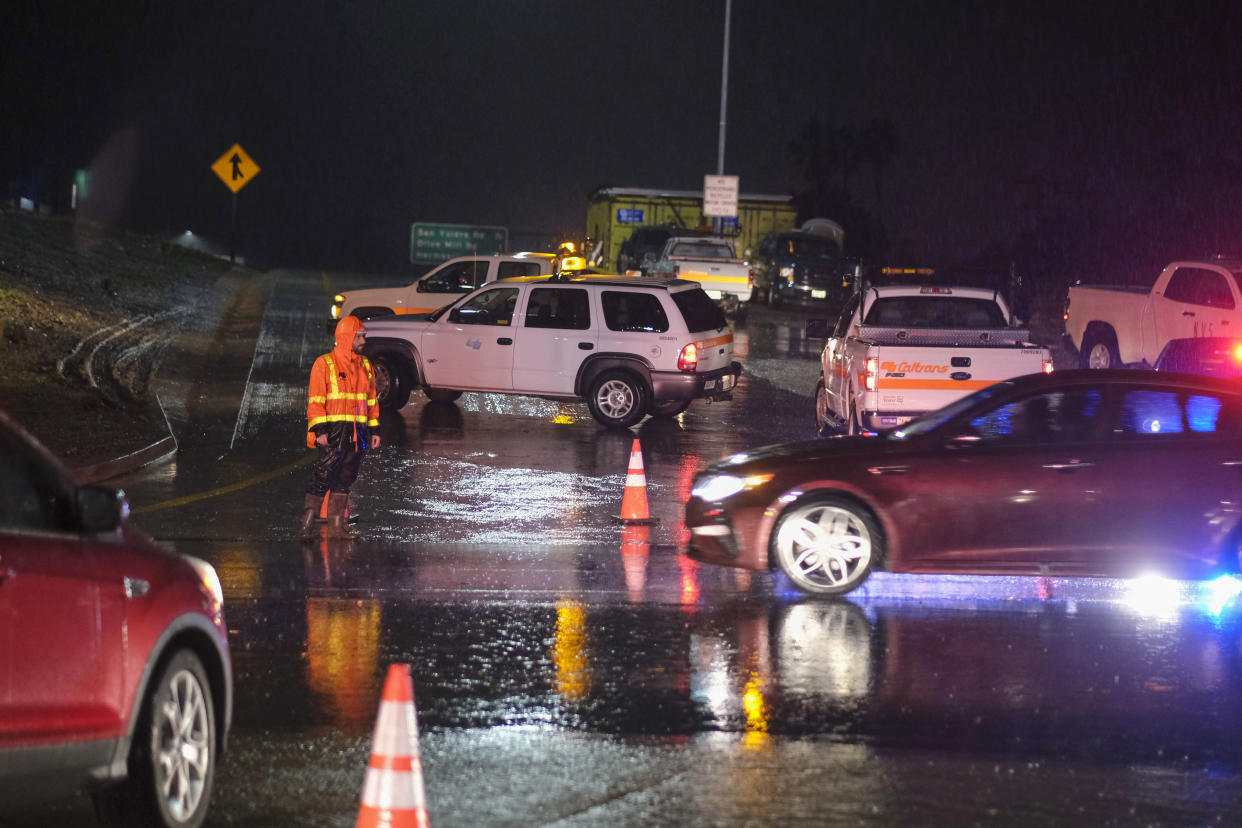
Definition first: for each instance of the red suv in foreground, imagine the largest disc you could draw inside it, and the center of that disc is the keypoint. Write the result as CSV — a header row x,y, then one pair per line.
x,y
115,675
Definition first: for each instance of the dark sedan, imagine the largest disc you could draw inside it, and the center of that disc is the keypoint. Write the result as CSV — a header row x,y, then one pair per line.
x,y
1075,473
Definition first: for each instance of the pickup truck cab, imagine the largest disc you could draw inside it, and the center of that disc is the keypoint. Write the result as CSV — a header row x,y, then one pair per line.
x,y
627,346
438,287
712,262
900,351
1113,326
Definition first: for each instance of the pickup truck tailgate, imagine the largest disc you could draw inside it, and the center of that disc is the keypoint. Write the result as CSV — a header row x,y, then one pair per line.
x,y
919,378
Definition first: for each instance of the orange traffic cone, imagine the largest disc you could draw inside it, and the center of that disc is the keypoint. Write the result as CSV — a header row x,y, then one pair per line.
x,y
392,796
634,503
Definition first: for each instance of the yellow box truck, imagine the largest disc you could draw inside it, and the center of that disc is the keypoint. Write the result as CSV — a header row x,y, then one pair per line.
x,y
614,213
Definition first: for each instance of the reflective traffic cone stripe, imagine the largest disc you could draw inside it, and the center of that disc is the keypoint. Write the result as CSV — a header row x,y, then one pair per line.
x,y
392,795
634,502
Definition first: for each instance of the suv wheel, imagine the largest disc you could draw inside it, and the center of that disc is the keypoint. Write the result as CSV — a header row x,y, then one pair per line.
x,y
172,761
392,386
617,399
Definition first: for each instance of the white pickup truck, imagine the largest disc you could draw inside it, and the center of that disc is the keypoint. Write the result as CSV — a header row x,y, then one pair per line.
x,y
438,287
900,351
712,262
1116,326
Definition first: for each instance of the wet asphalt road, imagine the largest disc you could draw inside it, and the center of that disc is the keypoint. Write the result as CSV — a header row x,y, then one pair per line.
x,y
571,672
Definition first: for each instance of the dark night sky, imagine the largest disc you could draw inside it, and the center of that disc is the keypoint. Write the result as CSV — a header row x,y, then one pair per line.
x,y
1077,133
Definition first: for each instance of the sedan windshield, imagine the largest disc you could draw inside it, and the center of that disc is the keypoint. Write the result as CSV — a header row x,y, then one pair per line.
x,y
934,419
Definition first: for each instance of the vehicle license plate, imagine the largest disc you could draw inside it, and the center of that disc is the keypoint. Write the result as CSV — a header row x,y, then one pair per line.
x,y
819,294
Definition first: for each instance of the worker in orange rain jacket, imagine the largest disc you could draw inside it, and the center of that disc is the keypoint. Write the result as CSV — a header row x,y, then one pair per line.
x,y
340,418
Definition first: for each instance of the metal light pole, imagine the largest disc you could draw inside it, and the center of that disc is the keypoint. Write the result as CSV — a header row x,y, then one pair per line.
x,y
724,89
718,223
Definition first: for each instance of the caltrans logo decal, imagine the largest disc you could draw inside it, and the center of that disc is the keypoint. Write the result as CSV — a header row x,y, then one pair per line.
x,y
913,368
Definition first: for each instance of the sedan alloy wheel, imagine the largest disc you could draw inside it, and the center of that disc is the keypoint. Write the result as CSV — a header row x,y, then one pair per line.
x,y
826,547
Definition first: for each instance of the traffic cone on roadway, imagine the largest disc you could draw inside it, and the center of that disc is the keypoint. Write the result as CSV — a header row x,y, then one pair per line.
x,y
634,502
392,795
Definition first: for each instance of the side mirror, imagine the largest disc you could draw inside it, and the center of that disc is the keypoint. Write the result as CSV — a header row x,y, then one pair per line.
x,y
100,509
455,316
817,329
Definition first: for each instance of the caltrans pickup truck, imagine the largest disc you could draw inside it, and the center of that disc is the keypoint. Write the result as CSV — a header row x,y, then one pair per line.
x,y
900,351
1114,326
710,261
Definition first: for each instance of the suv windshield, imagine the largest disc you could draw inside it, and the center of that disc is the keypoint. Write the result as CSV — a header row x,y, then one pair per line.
x,y
699,311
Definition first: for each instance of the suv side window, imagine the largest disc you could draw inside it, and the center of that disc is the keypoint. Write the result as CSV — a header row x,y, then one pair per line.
x,y
633,311
491,307
561,308
508,269
461,277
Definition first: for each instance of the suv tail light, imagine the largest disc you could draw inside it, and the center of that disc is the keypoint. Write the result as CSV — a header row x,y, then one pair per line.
x,y
873,368
750,278
688,359
676,271
1047,366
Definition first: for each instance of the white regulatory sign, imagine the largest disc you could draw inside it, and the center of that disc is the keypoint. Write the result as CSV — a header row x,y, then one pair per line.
x,y
720,195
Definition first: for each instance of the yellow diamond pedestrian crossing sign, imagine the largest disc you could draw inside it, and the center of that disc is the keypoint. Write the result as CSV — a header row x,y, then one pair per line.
x,y
235,168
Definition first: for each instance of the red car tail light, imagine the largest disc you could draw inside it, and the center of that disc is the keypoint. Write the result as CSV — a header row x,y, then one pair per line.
x,y
750,278
873,368
1047,366
688,359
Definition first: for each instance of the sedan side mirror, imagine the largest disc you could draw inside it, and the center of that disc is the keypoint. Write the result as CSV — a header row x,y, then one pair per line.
x,y
455,316
100,509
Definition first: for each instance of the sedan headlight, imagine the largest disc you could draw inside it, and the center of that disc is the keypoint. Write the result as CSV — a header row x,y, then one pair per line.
x,y
721,486
207,574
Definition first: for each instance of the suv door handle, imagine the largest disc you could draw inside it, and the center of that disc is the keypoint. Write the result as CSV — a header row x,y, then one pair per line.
x,y
585,346
503,340
1188,313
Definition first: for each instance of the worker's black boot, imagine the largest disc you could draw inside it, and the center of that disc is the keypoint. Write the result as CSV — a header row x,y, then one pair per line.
x,y
337,530
310,511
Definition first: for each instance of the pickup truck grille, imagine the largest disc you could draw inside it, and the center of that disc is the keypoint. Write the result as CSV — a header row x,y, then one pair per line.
x,y
816,277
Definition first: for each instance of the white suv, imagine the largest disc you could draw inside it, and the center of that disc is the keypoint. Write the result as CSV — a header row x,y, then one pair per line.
x,y
627,346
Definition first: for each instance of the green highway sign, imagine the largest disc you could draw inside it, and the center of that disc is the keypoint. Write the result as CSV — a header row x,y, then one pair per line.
x,y
435,243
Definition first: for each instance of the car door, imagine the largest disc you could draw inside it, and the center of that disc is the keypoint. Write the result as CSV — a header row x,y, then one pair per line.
x,y
471,346
445,284
1014,486
1195,302
1169,481
554,337
60,628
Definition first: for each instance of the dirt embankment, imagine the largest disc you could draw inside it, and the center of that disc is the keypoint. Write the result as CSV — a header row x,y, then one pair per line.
x,y
85,315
